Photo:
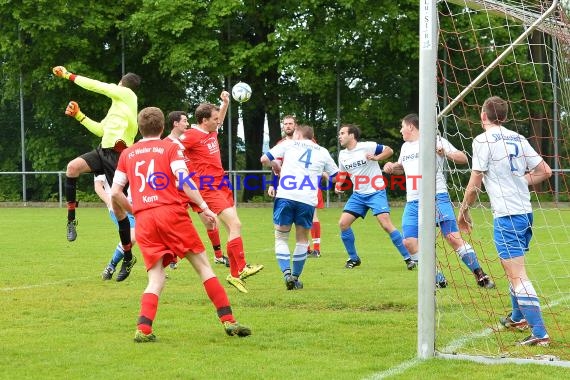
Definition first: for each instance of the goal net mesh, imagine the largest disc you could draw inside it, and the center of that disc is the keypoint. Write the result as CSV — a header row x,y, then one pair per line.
x,y
535,80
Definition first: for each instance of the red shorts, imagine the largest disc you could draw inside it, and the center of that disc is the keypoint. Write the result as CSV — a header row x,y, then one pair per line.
x,y
217,199
320,202
164,233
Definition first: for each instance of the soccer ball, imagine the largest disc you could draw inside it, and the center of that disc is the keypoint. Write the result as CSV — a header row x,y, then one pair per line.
x,y
241,92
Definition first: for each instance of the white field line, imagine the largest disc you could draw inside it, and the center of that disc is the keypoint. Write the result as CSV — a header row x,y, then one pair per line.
x,y
451,347
397,370
45,284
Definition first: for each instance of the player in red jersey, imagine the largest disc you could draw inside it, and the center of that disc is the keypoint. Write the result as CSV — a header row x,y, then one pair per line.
x,y
289,124
178,124
205,164
155,169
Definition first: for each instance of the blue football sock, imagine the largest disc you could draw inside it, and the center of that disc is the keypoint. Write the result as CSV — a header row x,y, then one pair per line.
x,y
516,313
396,238
286,272
299,259
468,256
284,263
530,308
117,256
347,237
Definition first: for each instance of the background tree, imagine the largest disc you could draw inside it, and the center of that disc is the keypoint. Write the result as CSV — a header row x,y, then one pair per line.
x,y
348,49
296,55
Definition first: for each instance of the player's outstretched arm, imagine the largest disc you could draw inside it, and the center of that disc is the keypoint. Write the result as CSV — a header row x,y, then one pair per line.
x,y
61,72
225,96
73,111
94,127
457,156
108,89
445,149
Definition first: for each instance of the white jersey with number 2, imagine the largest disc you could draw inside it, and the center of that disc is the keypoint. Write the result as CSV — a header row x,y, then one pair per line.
x,y
505,157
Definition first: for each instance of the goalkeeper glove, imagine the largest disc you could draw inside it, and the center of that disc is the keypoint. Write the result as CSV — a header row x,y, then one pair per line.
x,y
60,71
74,111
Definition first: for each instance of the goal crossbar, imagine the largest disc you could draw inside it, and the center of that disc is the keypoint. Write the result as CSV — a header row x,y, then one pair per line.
x,y
551,26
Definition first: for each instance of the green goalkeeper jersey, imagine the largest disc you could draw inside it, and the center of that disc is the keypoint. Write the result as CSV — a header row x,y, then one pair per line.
x,y
120,123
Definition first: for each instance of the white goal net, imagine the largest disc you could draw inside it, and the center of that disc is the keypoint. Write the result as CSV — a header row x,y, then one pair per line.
x,y
504,48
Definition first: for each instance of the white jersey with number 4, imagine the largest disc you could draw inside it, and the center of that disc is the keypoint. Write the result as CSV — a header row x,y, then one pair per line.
x,y
505,157
365,174
303,165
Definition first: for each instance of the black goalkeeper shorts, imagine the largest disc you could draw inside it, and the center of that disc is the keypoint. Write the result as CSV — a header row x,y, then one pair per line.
x,y
103,161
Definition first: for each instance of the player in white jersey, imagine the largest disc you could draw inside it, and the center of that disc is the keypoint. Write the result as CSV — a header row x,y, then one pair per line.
x,y
507,165
103,190
289,124
304,162
358,162
409,163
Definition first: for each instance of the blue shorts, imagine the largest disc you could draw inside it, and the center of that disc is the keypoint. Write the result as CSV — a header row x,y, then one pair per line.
x,y
512,235
287,212
114,219
444,217
359,204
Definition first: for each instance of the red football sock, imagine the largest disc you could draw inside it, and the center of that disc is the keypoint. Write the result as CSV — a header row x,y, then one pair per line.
x,y
219,298
233,264
149,305
235,249
71,210
214,236
316,235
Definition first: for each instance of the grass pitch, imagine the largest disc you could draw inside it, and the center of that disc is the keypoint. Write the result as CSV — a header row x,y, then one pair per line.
x,y
60,320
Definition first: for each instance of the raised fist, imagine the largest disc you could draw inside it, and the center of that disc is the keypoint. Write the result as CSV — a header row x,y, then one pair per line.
x,y
225,96
60,71
74,111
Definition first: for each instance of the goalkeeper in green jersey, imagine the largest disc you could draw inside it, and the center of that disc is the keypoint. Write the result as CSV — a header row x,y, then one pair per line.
x,y
117,131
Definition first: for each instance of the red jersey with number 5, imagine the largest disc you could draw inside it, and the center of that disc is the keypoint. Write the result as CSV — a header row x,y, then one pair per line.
x,y
149,166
